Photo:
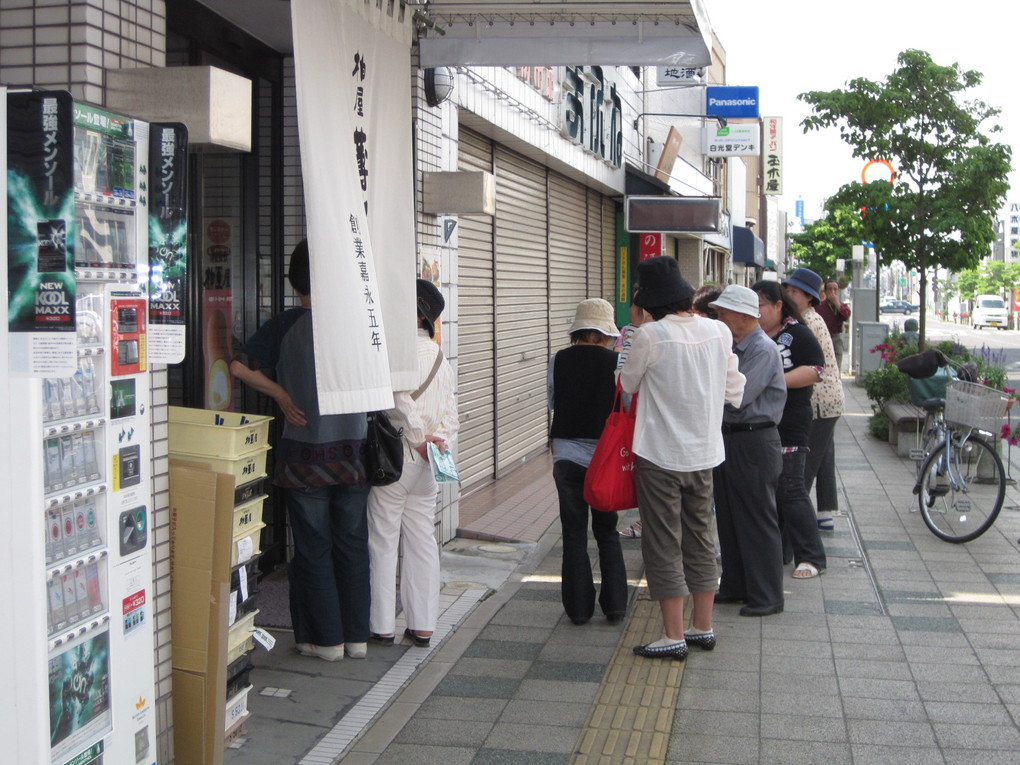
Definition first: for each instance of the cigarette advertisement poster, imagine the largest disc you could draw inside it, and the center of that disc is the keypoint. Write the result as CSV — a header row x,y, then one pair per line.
x,y
79,685
168,241
40,232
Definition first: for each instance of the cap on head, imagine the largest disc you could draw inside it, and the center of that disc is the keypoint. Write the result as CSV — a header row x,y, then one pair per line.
x,y
660,283
807,281
597,314
739,299
430,304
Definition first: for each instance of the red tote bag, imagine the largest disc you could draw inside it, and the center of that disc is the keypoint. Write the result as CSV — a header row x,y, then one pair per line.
x,y
609,482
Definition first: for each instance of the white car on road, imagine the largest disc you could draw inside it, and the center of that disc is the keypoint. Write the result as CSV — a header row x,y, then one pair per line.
x,y
989,311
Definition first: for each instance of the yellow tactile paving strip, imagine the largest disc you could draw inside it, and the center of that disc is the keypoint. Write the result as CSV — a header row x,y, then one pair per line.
x,y
632,716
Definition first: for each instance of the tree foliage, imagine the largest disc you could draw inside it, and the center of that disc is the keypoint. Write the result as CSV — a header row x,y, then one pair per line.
x,y
951,179
993,277
827,239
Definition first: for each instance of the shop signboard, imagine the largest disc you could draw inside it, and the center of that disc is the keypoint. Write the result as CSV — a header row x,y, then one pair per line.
x,y
732,101
735,139
666,76
592,113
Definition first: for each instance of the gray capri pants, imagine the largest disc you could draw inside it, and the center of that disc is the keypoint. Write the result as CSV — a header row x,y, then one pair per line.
x,y
677,530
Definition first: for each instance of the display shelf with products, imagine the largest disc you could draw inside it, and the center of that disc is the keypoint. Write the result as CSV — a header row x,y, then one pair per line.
x,y
75,528
73,458
77,396
77,598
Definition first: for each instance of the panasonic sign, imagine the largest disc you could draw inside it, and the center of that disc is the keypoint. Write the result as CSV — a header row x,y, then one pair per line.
x,y
731,102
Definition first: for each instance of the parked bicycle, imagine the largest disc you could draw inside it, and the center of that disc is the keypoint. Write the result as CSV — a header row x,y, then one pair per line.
x,y
961,482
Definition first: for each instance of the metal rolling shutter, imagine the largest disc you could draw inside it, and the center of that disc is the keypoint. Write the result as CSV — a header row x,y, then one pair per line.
x,y
593,235
569,264
609,279
522,300
475,328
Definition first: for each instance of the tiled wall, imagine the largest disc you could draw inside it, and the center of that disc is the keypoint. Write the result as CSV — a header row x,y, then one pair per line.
x,y
68,43
436,151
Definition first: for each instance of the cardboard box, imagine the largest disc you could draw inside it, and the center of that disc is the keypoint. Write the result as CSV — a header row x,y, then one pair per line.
x,y
201,521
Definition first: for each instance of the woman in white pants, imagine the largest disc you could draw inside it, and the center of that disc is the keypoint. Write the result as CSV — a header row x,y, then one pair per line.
x,y
401,515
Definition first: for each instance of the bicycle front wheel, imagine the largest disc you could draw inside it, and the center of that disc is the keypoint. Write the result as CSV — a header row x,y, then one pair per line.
x,y
961,489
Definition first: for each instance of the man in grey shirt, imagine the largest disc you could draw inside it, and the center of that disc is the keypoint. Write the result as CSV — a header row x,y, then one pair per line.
x,y
745,484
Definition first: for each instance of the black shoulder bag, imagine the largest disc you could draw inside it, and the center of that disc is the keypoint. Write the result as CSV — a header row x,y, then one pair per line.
x,y
384,444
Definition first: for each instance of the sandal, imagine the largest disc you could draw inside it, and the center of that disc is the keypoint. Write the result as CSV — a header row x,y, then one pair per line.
x,y
807,570
633,531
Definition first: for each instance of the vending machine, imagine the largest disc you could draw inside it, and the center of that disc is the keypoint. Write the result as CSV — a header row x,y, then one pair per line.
x,y
78,333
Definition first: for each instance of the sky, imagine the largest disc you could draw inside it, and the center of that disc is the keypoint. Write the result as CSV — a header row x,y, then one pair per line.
x,y
787,47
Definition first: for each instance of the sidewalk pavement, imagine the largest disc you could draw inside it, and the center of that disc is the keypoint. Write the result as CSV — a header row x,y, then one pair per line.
x,y
903,652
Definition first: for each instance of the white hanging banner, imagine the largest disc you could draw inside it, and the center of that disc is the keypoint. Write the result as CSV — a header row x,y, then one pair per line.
x,y
352,64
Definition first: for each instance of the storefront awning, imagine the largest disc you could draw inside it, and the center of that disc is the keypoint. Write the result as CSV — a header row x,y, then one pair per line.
x,y
747,248
544,32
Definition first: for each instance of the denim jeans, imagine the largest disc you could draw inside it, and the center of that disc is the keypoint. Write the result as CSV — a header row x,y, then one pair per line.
x,y
796,513
578,587
330,592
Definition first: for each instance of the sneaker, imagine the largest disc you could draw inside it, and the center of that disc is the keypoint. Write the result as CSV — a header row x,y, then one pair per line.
x,y
356,650
324,652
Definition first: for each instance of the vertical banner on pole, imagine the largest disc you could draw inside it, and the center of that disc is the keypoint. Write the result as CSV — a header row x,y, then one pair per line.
x,y
354,101
41,286
772,149
168,241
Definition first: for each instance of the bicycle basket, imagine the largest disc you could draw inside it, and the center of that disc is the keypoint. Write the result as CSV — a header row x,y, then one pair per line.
x,y
975,406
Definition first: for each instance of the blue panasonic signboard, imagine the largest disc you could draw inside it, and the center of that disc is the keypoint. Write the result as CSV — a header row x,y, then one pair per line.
x,y
731,101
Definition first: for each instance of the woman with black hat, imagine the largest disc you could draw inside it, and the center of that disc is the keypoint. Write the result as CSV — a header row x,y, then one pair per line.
x,y
684,369
401,515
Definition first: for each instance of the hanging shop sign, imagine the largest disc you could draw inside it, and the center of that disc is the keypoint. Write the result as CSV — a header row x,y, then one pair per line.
x,y
773,151
732,101
651,246
168,241
592,113
732,140
688,215
678,75
40,236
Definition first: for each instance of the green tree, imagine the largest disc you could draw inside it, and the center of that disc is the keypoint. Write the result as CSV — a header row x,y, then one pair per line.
x,y
820,243
968,283
951,179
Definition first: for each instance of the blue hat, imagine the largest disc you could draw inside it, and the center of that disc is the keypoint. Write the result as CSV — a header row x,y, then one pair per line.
x,y
807,280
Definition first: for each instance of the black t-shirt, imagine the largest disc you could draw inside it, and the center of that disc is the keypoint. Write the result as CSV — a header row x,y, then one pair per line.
x,y
798,348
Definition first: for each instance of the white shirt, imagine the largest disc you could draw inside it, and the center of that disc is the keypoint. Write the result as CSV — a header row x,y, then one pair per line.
x,y
685,371
435,411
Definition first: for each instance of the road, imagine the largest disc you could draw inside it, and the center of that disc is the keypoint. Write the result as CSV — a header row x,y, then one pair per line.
x,y
994,341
